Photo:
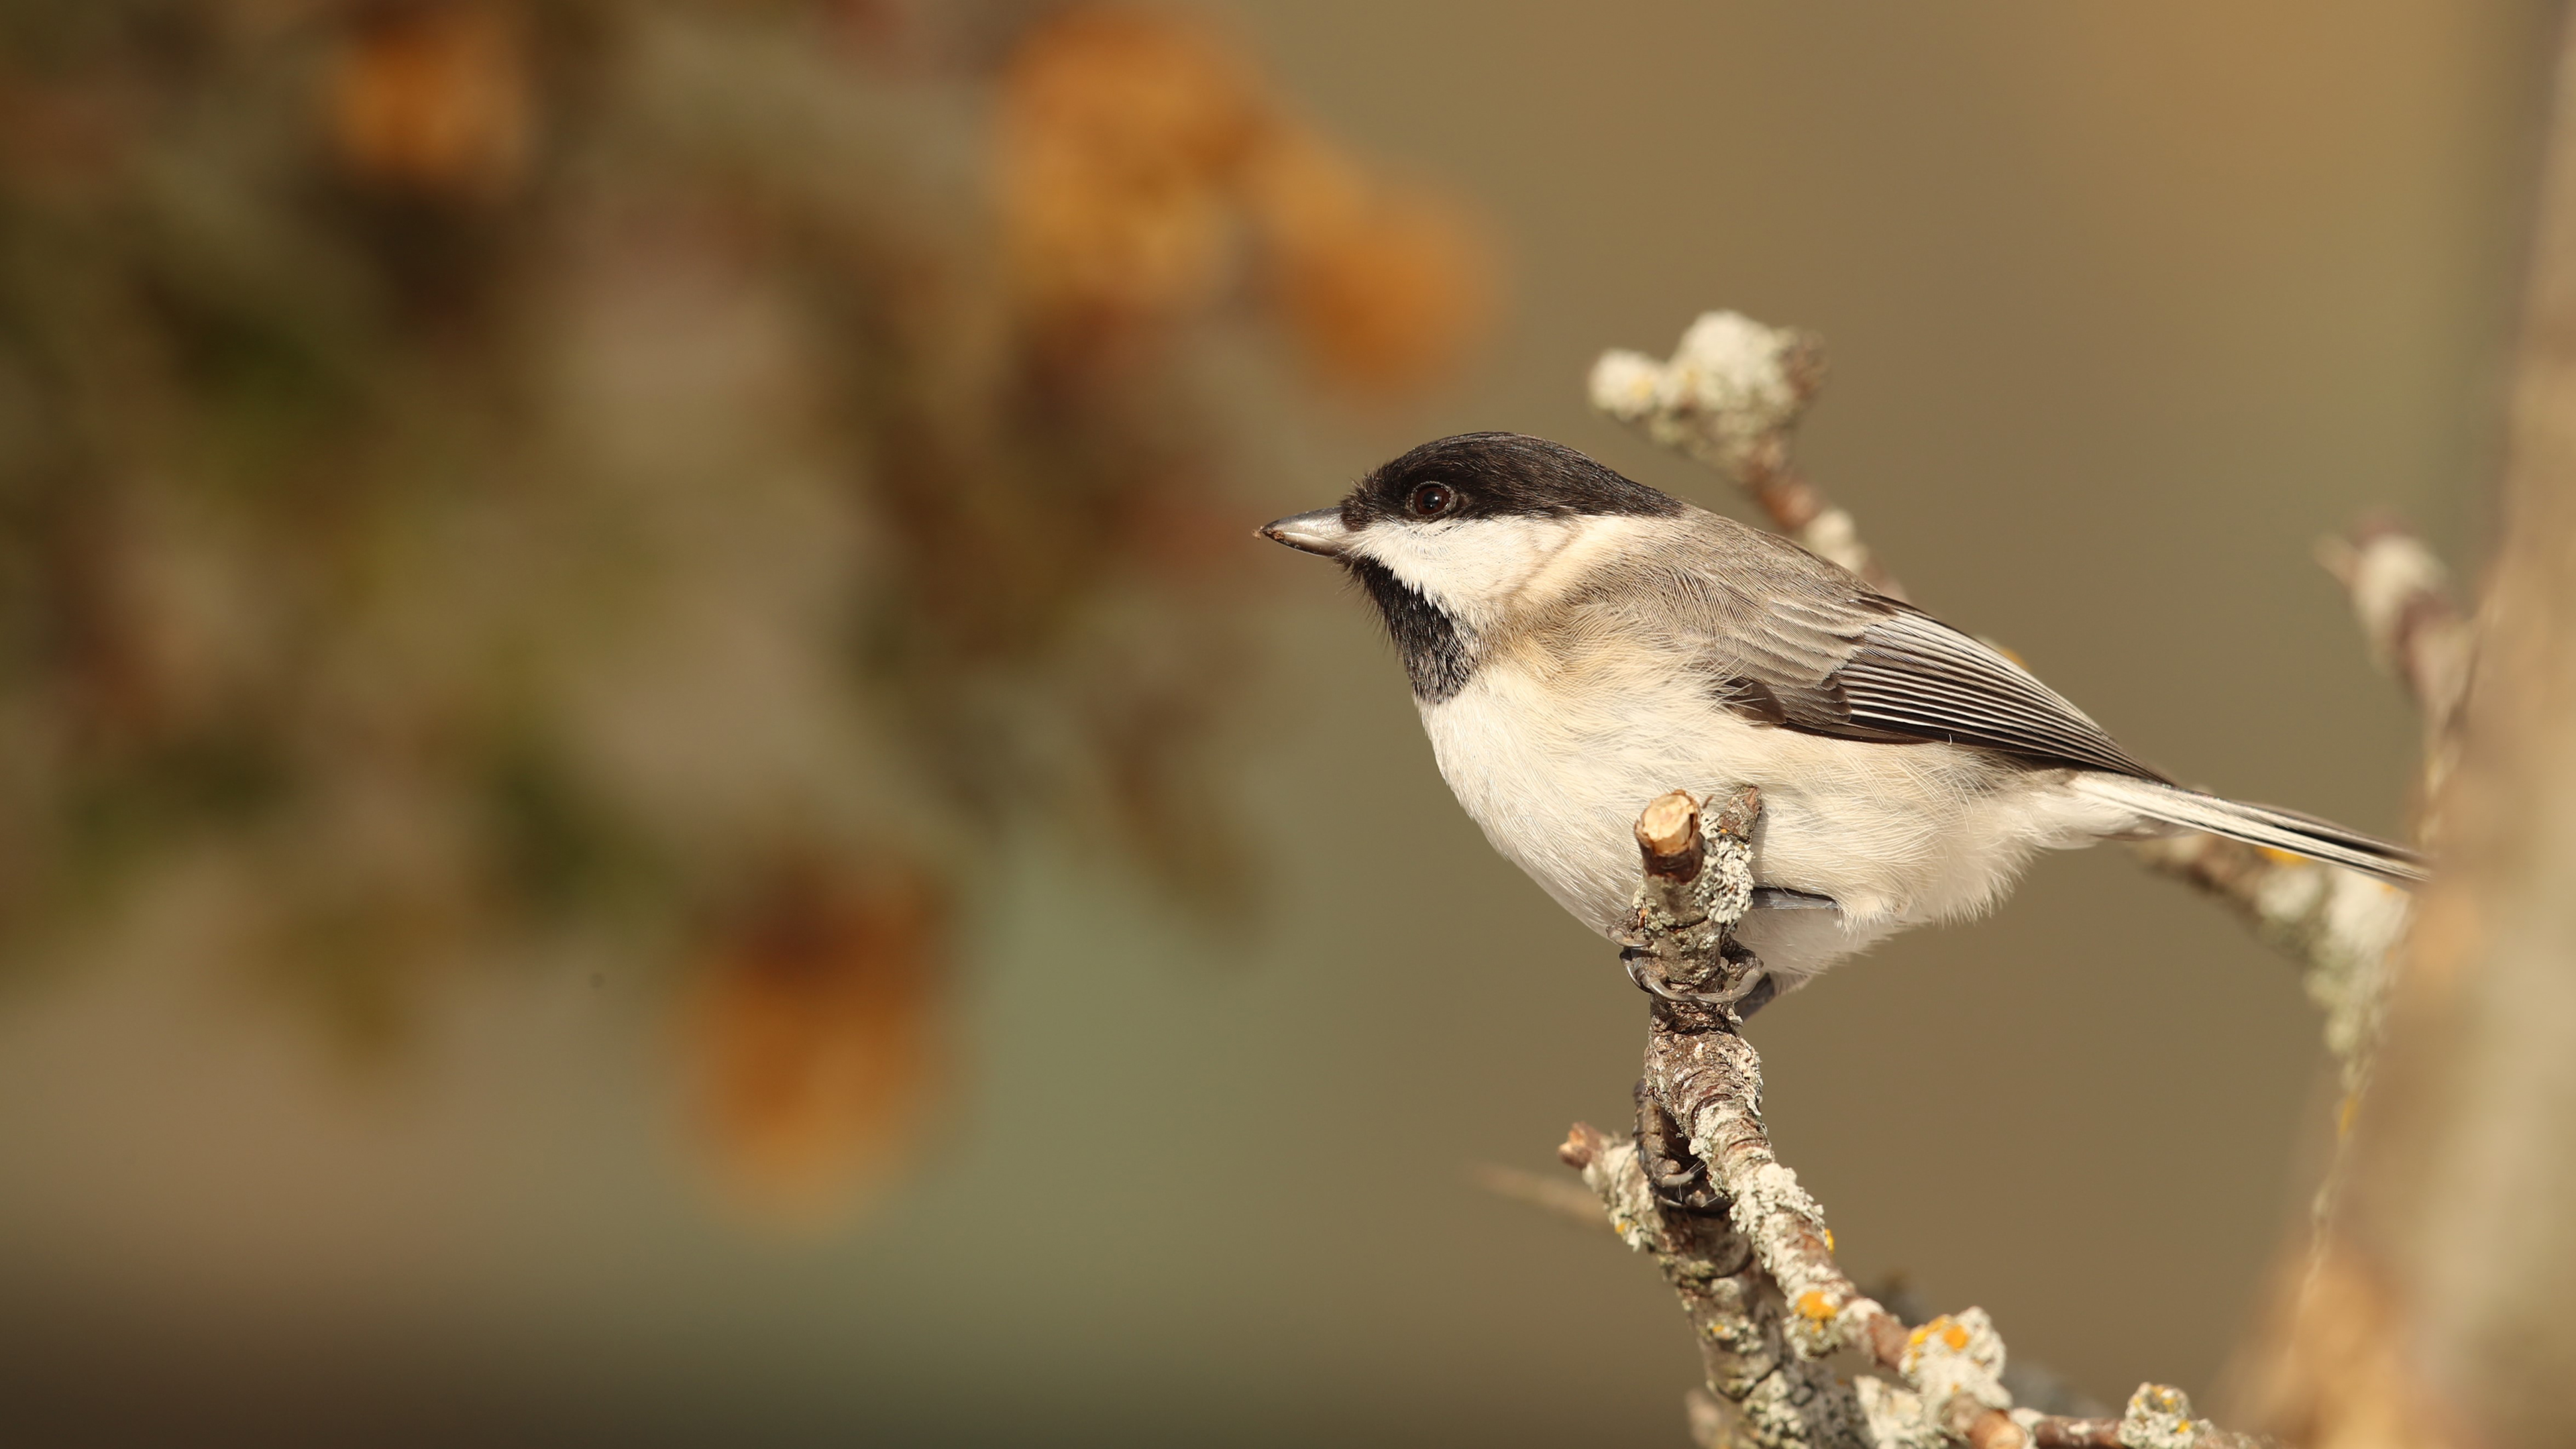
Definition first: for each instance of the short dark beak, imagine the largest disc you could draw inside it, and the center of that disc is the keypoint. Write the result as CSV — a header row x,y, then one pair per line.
x,y
1318,532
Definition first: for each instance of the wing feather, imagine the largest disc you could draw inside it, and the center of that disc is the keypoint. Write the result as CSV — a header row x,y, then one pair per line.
x,y
1912,674
1796,642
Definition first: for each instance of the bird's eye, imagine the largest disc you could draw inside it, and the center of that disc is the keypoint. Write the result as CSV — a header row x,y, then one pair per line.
x,y
1431,500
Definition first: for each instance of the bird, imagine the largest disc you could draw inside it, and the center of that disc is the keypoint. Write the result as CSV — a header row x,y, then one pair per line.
x,y
1579,643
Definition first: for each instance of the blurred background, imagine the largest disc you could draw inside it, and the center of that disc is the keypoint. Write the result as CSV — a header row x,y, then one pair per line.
x,y
651,790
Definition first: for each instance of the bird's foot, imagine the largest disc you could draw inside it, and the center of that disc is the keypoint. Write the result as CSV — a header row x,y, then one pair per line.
x,y
1747,987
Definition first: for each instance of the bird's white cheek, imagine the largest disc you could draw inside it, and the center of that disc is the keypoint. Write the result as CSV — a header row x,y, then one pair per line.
x,y
1471,568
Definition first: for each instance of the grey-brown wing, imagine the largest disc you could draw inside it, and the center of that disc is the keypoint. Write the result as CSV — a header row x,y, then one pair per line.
x,y
1792,641
1913,675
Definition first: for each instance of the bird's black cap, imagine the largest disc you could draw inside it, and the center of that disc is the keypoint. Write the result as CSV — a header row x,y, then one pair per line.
x,y
1502,475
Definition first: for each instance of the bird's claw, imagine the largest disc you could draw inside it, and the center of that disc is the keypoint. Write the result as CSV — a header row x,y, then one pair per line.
x,y
1749,988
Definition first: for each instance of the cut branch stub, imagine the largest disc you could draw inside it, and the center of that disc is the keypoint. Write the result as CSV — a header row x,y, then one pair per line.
x,y
1668,837
1696,882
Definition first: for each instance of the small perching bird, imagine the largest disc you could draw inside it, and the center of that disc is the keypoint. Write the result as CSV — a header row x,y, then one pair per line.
x,y
1579,644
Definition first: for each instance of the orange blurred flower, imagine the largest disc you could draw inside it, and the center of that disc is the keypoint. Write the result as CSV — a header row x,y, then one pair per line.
x,y
434,96
1119,138
813,1029
1383,287
1137,156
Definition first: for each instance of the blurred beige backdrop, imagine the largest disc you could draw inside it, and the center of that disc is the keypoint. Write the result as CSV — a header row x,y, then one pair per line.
x,y
2126,305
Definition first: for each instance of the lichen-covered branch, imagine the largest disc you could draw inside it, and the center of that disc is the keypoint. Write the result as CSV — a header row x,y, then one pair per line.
x,y
1744,1245
1730,396
1774,1397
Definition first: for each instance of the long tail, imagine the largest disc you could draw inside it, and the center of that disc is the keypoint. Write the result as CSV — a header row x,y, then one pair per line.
x,y
2257,825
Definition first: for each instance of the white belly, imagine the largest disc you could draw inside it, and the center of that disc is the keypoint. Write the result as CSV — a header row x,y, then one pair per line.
x,y
1897,835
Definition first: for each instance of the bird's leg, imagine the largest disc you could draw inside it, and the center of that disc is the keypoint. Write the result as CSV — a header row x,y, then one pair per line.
x,y
1781,898
1756,996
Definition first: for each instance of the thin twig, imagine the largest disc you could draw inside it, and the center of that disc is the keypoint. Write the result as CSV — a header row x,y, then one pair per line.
x,y
2158,1417
2401,596
1730,396
1553,1196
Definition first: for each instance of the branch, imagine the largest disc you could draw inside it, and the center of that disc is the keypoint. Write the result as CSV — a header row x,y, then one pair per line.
x,y
2341,926
1776,1398
2401,596
1730,396
1744,1246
